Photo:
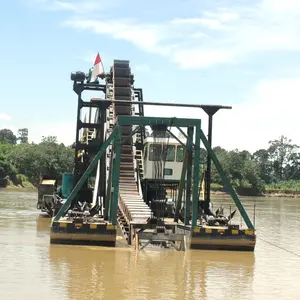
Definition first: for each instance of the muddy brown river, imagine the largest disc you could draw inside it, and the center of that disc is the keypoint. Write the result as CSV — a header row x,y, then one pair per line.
x,y
31,268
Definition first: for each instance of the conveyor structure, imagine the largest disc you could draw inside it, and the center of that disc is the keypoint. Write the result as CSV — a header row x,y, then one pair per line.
x,y
123,178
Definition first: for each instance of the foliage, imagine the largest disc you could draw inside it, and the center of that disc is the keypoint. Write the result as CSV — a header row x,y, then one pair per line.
x,y
23,135
25,161
7,137
266,169
216,187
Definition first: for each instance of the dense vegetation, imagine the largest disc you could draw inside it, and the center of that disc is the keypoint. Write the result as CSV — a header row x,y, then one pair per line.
x,y
23,163
275,168
265,170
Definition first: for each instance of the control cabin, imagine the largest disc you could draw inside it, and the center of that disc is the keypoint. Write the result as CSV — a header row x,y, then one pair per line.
x,y
152,154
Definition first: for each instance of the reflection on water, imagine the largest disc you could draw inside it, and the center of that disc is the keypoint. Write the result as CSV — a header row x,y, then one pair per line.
x,y
124,274
31,268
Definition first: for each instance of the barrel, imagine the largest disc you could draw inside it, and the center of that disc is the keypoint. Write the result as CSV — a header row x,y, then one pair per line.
x,y
67,184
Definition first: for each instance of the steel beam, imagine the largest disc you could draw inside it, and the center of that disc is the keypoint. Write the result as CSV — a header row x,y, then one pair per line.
x,y
196,176
203,106
187,208
182,132
145,121
175,137
181,186
85,176
210,112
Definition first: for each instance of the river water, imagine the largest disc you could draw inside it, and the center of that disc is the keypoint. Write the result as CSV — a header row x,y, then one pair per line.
x,y
31,268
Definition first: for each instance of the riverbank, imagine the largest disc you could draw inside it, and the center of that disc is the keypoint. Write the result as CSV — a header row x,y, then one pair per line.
x,y
271,194
284,190
23,185
18,182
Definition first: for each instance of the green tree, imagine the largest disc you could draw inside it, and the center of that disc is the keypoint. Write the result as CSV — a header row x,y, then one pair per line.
x,y
236,166
45,158
292,169
222,156
6,167
261,157
251,175
49,139
23,135
7,137
282,155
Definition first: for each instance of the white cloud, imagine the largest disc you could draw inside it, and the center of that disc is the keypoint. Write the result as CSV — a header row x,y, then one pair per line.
x,y
215,37
75,6
198,58
212,20
144,36
224,15
5,117
210,23
281,8
270,111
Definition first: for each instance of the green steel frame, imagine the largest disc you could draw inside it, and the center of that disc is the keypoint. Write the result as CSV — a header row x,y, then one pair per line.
x,y
219,168
113,188
189,159
85,176
225,180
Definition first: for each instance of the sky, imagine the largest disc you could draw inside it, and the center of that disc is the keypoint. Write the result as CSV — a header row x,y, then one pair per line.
x,y
242,53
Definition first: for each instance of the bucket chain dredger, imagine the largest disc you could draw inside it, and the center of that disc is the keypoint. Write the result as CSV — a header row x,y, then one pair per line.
x,y
147,185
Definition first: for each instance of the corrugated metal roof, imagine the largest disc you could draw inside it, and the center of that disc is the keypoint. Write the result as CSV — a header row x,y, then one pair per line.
x,y
48,181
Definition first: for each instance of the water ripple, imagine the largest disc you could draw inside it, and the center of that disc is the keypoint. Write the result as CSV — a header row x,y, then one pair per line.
x,y
31,268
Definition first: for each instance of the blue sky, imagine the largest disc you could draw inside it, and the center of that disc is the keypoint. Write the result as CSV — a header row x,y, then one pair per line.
x,y
243,53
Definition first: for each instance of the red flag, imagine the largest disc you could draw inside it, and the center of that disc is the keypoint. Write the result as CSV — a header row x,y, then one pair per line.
x,y
98,68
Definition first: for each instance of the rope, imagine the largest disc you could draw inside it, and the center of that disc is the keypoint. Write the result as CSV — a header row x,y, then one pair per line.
x,y
279,247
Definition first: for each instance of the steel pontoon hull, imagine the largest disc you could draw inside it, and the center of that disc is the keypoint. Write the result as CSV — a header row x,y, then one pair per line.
x,y
97,234
219,238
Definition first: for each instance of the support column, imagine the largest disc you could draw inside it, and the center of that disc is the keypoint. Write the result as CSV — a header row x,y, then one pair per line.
x,y
77,88
210,112
102,185
196,176
189,176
